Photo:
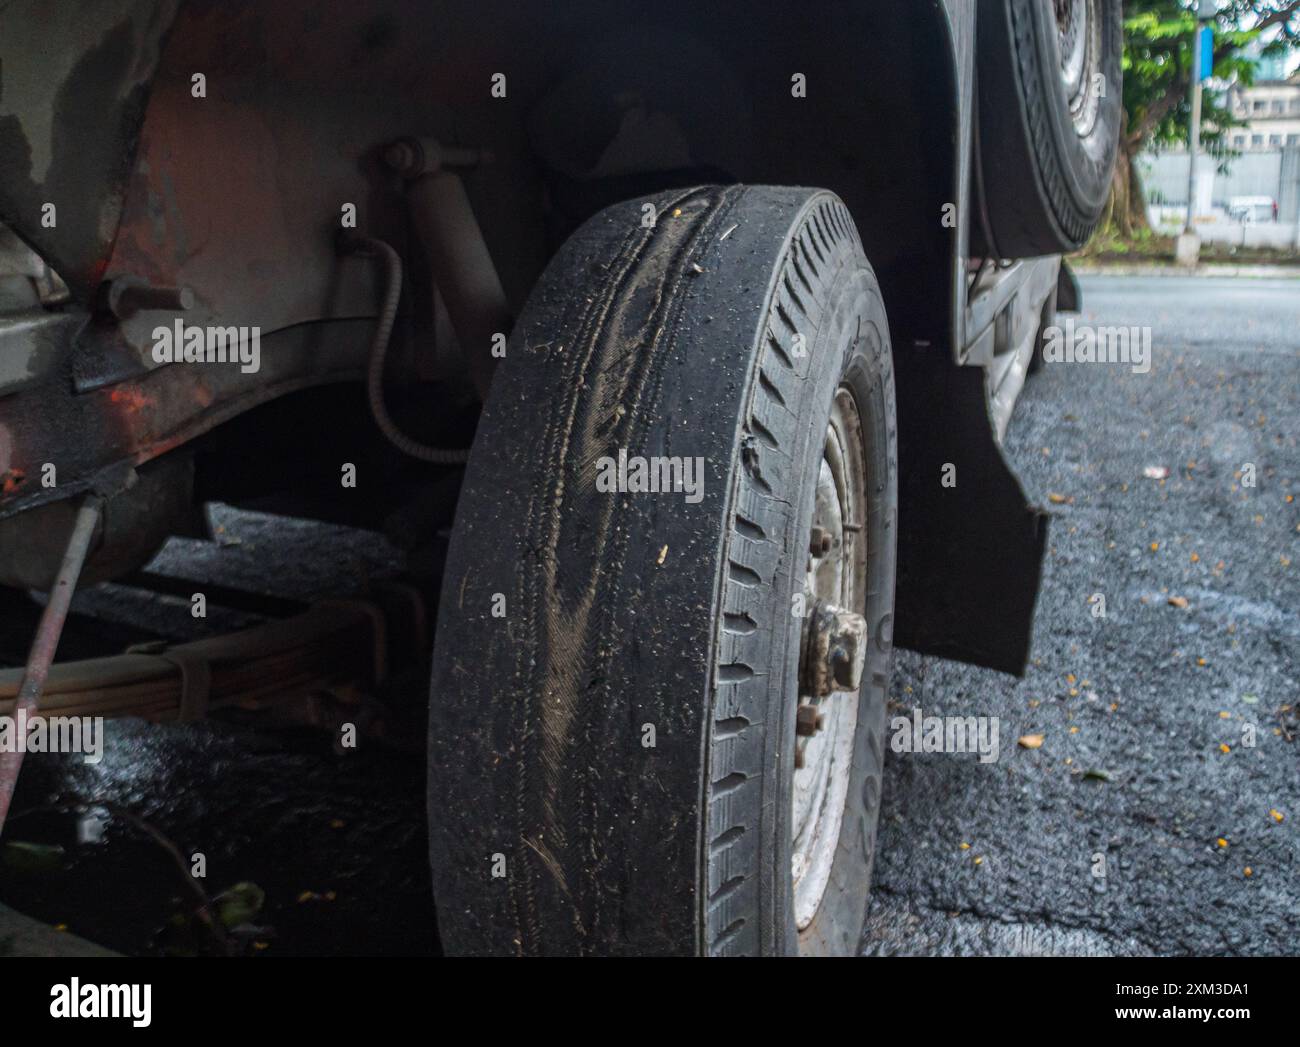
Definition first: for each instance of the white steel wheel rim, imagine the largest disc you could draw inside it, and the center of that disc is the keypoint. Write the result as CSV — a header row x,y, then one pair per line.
x,y
1078,25
821,786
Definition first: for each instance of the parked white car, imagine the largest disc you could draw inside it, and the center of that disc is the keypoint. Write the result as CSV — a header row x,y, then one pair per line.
x,y
1247,210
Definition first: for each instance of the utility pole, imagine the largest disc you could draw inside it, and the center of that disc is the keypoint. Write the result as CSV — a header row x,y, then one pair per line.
x,y
1194,133
1188,251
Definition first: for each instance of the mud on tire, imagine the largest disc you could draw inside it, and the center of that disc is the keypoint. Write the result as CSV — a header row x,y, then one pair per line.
x,y
722,331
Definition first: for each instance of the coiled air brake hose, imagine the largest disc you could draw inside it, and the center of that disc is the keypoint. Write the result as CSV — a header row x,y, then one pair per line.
x,y
379,353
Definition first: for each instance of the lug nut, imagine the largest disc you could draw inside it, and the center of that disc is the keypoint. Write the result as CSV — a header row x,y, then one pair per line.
x,y
820,543
808,721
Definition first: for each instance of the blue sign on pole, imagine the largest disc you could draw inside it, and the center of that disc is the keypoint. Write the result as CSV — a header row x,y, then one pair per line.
x,y
1207,52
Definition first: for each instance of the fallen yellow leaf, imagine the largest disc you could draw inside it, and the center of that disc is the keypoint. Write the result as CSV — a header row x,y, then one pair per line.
x,y
1030,741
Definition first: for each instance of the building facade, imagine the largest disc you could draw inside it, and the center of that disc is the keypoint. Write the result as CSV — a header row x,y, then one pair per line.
x,y
1271,109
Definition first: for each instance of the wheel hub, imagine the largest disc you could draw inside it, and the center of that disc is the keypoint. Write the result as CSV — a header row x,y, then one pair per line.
x,y
834,650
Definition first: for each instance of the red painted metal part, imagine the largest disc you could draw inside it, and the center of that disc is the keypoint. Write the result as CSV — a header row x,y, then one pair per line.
x,y
135,421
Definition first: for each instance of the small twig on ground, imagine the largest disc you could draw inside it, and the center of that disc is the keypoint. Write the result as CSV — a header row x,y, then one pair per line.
x,y
204,908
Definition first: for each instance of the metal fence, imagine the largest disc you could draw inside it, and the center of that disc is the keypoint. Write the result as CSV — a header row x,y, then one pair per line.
x,y
1272,173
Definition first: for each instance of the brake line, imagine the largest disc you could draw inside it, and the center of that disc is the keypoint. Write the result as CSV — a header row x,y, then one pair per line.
x,y
379,354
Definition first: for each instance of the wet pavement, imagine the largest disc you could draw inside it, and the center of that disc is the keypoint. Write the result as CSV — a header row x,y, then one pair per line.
x,y
1129,830
333,840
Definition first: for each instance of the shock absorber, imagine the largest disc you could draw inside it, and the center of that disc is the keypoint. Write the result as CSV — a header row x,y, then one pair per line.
x,y
462,269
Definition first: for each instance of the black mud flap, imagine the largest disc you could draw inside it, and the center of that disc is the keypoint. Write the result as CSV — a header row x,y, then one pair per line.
x,y
970,545
1069,297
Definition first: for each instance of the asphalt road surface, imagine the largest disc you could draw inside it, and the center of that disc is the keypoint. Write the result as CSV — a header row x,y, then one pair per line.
x,y
1129,829
1144,823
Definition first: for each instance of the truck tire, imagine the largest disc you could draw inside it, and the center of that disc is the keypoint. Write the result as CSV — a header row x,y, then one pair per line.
x,y
1050,86
615,712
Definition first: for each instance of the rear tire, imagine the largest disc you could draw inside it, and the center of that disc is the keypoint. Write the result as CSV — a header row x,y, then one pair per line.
x,y
618,746
1050,91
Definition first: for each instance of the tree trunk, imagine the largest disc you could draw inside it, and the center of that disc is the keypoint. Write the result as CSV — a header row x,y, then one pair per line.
x,y
1137,197
1125,215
